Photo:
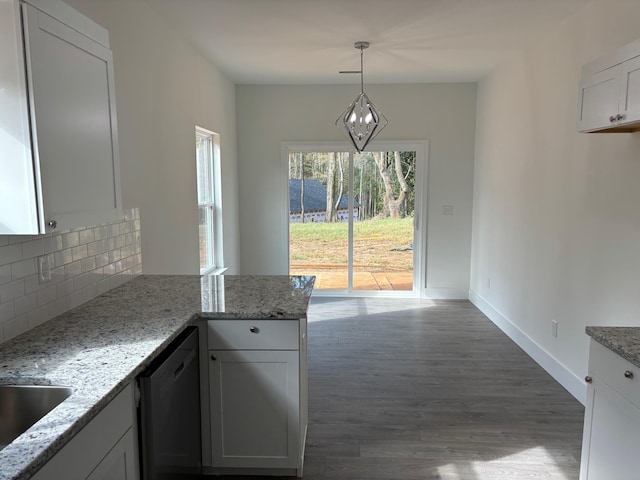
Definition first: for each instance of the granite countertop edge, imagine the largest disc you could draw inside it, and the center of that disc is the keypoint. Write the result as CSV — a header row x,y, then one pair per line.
x,y
125,329
624,341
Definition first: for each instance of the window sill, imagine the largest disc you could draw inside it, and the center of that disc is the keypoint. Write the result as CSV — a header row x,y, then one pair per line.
x,y
214,271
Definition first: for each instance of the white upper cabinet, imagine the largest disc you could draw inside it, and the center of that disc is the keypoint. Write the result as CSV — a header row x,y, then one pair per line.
x,y
18,206
609,95
630,91
600,94
58,141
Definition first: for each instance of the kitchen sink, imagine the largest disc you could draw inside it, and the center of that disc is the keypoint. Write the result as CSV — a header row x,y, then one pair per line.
x,y
23,405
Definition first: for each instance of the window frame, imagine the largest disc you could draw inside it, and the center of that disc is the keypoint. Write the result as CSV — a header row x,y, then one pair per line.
x,y
211,201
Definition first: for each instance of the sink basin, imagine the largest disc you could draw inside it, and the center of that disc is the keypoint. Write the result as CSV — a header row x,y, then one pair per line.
x,y
23,405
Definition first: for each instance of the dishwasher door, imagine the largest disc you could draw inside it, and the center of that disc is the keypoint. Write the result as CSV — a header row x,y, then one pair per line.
x,y
170,411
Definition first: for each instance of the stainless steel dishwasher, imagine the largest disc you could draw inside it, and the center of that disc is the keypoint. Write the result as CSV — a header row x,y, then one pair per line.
x,y
170,411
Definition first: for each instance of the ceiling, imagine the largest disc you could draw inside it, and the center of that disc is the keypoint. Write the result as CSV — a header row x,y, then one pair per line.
x,y
412,41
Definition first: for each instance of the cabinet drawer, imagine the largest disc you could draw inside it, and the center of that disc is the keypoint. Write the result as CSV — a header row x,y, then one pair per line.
x,y
611,368
253,335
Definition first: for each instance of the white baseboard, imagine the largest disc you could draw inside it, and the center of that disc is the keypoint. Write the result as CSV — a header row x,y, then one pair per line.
x,y
552,366
445,294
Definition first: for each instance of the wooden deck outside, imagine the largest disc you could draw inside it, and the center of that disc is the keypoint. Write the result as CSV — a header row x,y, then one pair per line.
x,y
336,278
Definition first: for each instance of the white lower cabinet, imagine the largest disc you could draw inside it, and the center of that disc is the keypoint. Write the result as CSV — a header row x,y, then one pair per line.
x,y
257,395
105,449
120,463
611,435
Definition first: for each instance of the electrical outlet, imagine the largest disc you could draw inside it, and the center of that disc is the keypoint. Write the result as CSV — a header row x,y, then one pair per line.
x,y
44,269
554,328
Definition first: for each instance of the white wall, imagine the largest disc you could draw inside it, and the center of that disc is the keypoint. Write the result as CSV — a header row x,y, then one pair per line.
x,y
556,220
442,114
164,88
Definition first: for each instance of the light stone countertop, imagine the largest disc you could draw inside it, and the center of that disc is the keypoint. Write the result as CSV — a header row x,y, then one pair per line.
x,y
100,346
625,341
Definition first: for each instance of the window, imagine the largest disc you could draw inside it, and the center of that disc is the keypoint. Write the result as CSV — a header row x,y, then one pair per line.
x,y
209,205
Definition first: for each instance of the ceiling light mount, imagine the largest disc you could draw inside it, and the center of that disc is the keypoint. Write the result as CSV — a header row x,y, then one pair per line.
x,y
362,120
361,45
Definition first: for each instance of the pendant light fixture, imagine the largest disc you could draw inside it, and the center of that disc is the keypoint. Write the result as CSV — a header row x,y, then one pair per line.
x,y
361,121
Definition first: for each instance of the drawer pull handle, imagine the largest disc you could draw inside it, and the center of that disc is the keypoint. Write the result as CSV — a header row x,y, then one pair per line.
x,y
588,379
628,374
254,330
213,357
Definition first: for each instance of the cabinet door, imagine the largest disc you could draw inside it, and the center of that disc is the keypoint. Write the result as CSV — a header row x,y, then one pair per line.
x,y
120,462
611,435
71,95
630,93
18,208
103,449
254,399
599,99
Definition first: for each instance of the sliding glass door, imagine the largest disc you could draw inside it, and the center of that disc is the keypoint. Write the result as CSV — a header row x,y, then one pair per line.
x,y
353,218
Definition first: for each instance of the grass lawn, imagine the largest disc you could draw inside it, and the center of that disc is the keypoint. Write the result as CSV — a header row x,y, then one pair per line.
x,y
325,244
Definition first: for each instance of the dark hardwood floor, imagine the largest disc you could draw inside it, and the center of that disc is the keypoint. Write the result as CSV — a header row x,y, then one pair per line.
x,y
404,389
409,389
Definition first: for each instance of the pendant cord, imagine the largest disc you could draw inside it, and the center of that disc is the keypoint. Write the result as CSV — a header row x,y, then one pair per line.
x,y
361,70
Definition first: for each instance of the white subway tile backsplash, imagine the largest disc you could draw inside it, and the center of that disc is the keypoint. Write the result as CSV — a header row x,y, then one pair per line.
x,y
108,244
24,304
80,252
109,269
5,274
62,257
15,326
75,298
64,288
32,284
10,254
102,259
86,236
52,244
71,239
104,285
37,316
23,269
72,269
85,262
83,281
11,290
115,255
88,264
32,248
89,292
6,312
46,295
58,307
94,248
57,274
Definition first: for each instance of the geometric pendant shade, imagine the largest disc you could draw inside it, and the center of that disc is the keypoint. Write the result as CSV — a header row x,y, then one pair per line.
x,y
362,120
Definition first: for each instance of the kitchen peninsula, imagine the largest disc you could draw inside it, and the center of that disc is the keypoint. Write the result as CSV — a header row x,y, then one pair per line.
x,y
100,347
611,434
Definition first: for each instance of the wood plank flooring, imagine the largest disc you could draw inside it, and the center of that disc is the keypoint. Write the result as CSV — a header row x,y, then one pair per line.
x,y
410,389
